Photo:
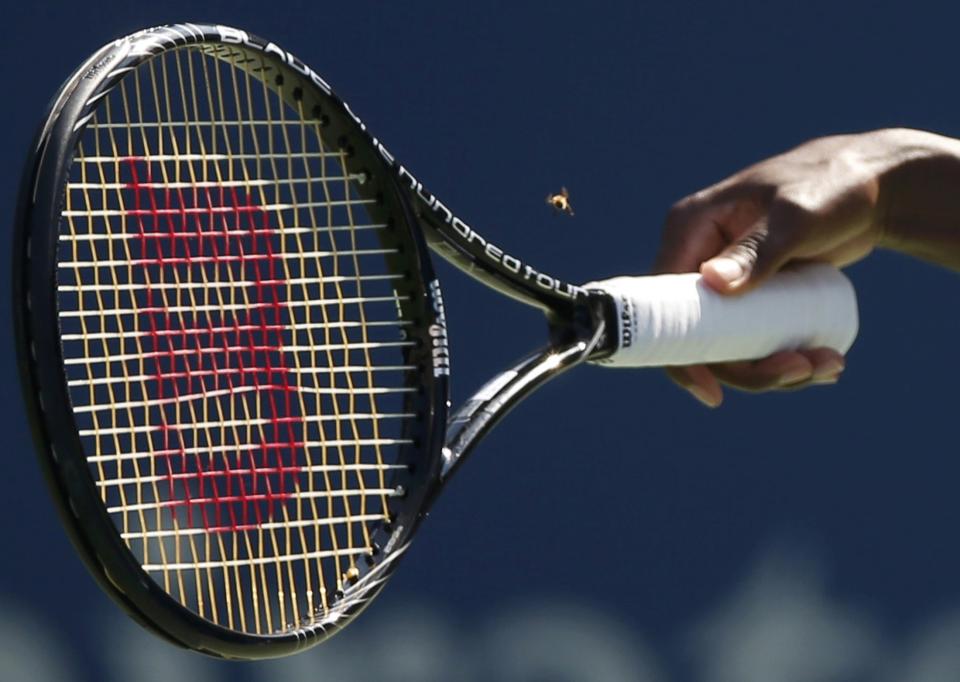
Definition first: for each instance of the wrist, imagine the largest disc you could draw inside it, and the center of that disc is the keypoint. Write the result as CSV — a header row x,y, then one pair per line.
x,y
918,206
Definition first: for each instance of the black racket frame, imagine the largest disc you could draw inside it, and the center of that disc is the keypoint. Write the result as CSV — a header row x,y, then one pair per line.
x,y
417,220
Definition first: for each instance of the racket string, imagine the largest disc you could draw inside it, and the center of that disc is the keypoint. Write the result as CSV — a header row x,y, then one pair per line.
x,y
232,342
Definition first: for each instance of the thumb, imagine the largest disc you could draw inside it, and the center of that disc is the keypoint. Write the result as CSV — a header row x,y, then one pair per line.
x,y
745,263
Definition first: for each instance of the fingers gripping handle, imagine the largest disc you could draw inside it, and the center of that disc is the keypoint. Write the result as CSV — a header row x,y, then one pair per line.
x,y
680,320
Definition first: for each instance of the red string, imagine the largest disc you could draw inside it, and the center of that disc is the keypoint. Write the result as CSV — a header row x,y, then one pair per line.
x,y
236,485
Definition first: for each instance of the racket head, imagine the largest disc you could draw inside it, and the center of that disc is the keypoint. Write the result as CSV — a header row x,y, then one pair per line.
x,y
187,323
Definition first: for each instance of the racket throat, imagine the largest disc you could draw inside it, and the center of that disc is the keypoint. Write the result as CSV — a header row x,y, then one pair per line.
x,y
484,410
593,321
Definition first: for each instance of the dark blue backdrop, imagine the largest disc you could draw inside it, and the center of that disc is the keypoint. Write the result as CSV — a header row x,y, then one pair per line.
x,y
611,529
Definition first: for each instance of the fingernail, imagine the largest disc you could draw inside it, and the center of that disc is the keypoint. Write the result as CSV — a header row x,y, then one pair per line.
x,y
703,396
728,269
828,371
826,379
795,376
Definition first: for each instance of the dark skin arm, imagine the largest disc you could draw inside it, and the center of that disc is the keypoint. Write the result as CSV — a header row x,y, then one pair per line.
x,y
833,199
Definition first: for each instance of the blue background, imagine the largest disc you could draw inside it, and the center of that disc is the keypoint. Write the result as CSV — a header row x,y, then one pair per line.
x,y
611,528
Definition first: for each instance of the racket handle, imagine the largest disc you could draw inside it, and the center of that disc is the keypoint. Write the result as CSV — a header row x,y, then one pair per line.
x,y
680,320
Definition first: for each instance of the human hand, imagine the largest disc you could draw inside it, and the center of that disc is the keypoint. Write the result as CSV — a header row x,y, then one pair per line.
x,y
817,202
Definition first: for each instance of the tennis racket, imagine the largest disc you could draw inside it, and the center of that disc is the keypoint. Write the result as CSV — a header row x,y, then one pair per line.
x,y
233,344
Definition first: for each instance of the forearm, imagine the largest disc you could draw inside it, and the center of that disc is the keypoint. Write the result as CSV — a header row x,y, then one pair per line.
x,y
919,195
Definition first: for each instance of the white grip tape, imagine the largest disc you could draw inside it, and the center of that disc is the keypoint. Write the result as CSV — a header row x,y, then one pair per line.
x,y
680,320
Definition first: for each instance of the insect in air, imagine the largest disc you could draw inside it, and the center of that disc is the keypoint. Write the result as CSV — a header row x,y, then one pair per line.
x,y
561,201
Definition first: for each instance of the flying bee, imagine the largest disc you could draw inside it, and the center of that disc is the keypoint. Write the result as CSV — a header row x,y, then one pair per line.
x,y
561,201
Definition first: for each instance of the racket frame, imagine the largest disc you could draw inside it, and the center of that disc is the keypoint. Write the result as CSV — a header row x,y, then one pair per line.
x,y
576,316
47,399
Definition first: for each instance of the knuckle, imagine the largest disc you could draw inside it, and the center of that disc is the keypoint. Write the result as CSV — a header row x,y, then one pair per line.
x,y
682,211
674,222
750,246
680,220
673,236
